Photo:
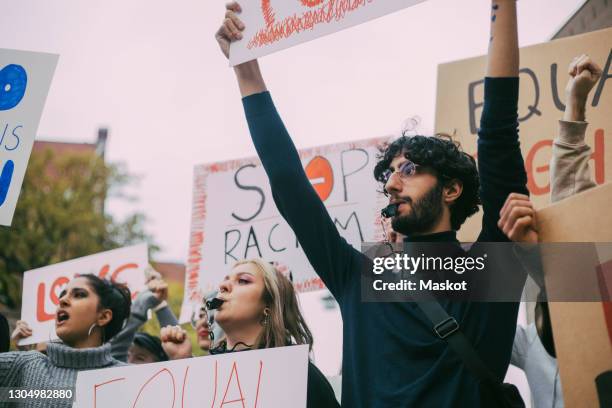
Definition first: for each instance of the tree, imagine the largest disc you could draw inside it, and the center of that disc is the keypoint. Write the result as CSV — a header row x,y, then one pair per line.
x,y
60,216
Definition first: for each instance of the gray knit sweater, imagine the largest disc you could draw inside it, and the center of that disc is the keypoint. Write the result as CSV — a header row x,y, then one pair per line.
x,y
58,369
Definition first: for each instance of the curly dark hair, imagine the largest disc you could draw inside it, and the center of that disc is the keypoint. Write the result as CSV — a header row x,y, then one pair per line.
x,y
447,160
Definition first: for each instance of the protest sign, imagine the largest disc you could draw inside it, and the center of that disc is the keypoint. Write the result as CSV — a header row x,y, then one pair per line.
x,y
267,378
543,78
42,286
234,215
25,78
582,330
273,25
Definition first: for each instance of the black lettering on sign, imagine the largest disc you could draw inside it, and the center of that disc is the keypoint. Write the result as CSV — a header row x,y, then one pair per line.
x,y
259,191
473,104
252,243
555,89
533,109
602,82
227,235
272,247
346,224
345,175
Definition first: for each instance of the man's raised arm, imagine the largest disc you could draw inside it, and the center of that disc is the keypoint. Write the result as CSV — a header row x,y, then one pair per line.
x,y
250,80
297,201
503,60
500,162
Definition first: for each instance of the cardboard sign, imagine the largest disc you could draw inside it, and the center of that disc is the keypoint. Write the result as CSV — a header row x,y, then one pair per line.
x,y
25,78
234,216
42,286
582,330
267,378
273,25
543,78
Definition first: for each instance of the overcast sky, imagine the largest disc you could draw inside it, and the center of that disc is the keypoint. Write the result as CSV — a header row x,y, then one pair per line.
x,y
152,73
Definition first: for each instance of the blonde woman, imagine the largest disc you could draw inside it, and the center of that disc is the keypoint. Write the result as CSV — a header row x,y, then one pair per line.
x,y
259,310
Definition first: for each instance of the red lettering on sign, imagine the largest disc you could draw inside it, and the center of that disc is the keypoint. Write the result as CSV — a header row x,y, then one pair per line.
x,y
151,379
532,185
183,390
599,156
229,397
96,386
216,375
121,269
41,314
61,281
258,383
311,3
319,12
104,271
241,399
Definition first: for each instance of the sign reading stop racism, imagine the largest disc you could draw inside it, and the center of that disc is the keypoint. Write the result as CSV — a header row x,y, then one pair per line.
x,y
234,215
273,25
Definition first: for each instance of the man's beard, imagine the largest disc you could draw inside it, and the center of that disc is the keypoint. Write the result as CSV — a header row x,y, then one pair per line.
x,y
423,216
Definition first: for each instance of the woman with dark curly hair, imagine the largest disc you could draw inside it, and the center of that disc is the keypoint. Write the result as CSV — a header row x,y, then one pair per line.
x,y
91,311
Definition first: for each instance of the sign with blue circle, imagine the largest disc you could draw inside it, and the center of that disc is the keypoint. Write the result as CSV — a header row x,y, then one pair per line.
x,y
25,78
13,83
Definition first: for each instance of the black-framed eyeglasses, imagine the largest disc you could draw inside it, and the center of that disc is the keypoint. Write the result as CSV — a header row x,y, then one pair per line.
x,y
405,170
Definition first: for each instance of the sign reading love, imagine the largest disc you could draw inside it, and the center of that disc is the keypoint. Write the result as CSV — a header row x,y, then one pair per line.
x,y
42,286
273,25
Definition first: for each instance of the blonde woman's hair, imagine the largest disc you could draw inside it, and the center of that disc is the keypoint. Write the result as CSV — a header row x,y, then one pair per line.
x,y
284,324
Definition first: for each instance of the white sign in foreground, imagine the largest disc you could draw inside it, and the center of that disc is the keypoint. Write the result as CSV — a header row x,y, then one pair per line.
x,y
268,378
25,78
234,216
273,25
42,286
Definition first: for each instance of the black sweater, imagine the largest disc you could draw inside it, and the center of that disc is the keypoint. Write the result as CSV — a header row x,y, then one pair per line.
x,y
391,357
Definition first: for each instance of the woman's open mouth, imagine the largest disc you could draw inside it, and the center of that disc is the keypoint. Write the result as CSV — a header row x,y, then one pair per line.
x,y
61,317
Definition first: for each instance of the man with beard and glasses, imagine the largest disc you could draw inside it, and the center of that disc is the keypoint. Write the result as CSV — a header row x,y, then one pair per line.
x,y
392,357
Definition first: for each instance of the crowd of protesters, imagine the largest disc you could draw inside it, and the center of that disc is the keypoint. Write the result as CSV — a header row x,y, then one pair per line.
x,y
392,357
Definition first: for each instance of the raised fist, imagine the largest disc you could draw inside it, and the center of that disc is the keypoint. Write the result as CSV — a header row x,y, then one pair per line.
x,y
175,342
584,74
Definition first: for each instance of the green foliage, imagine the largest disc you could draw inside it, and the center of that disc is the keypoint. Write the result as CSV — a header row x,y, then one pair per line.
x,y
60,216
